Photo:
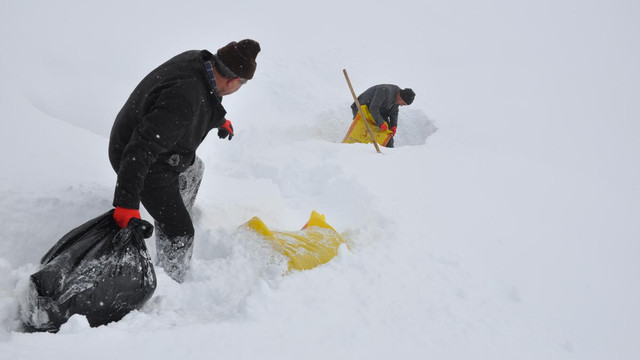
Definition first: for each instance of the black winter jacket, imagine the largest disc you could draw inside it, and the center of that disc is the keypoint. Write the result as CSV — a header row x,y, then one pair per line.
x,y
381,101
163,122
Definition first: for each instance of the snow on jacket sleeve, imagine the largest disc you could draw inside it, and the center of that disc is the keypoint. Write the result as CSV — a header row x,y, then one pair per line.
x,y
160,130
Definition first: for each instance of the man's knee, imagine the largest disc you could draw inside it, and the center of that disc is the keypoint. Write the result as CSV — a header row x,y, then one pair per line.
x,y
390,143
175,229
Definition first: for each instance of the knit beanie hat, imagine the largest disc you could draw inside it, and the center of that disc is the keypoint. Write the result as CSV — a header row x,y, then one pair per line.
x,y
240,57
407,95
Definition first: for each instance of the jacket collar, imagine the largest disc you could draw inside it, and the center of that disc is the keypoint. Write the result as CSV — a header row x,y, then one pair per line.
x,y
212,79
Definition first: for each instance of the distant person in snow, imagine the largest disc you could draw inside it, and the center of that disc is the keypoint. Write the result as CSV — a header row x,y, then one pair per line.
x,y
383,102
155,136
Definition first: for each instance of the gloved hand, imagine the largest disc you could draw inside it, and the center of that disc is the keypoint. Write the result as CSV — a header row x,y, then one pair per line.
x,y
383,127
123,215
393,128
225,130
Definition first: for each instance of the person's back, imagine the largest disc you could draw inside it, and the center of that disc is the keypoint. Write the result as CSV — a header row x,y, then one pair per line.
x,y
380,99
182,82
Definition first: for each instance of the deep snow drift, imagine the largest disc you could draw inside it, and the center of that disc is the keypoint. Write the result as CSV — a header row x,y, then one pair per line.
x,y
510,232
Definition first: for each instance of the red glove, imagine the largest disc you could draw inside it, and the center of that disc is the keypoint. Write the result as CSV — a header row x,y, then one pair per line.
x,y
225,129
123,215
383,127
393,128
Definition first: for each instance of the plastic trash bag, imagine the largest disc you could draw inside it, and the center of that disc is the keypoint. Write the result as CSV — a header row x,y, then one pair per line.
x,y
97,270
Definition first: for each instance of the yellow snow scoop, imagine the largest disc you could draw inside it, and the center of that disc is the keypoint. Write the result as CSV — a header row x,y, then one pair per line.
x,y
358,132
314,245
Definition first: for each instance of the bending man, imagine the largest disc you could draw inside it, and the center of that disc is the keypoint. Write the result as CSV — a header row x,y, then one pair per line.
x,y
383,102
154,139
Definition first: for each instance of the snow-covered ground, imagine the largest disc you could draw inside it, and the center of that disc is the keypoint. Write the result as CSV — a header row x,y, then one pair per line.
x,y
511,232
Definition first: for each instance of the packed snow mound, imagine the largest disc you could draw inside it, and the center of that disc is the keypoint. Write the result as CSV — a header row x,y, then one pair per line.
x,y
414,127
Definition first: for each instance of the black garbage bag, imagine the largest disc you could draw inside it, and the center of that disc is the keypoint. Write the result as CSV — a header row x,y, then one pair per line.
x,y
97,270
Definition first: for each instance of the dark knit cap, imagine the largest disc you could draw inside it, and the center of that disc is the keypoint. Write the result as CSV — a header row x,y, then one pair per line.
x,y
407,95
240,57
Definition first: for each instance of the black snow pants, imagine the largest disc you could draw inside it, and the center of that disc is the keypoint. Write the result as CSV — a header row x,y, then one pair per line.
x,y
169,197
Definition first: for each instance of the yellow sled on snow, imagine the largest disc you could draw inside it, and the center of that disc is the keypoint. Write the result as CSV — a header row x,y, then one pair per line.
x,y
314,245
358,132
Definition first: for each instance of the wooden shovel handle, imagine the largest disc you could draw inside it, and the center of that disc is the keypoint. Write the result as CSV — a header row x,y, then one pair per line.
x,y
364,119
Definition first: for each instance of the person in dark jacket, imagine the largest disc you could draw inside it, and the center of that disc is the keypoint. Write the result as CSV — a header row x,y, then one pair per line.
x,y
154,138
383,102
